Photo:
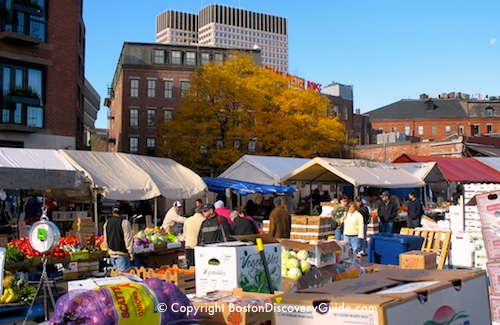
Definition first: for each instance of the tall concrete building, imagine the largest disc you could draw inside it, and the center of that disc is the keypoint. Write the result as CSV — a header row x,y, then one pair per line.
x,y
225,27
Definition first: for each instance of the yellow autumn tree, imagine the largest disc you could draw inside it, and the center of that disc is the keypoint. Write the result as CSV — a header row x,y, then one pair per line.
x,y
231,104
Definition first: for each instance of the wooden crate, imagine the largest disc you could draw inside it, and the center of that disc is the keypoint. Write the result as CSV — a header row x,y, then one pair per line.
x,y
183,278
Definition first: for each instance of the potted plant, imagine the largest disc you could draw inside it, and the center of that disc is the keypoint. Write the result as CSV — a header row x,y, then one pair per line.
x,y
30,7
23,95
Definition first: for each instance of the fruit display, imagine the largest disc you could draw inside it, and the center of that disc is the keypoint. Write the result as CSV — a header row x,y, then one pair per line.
x,y
294,264
16,290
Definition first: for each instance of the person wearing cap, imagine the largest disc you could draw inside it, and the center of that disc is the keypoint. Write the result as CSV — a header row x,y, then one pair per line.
x,y
280,221
214,229
172,218
363,209
387,212
118,238
191,231
241,225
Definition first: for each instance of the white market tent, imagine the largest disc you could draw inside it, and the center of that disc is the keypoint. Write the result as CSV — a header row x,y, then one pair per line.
x,y
262,169
38,169
354,171
429,172
121,176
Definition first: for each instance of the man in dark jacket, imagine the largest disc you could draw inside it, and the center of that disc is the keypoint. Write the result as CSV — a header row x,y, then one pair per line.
x,y
366,218
241,225
118,239
215,229
387,212
415,211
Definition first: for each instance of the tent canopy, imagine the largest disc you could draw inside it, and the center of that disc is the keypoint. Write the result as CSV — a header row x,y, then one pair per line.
x,y
245,188
428,172
262,169
37,169
120,176
458,169
353,171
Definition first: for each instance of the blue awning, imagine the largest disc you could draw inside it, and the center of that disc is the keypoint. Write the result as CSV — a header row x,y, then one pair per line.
x,y
244,188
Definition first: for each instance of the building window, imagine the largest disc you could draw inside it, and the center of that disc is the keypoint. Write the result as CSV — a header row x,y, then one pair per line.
x,y
475,130
30,23
420,130
150,117
489,128
218,57
134,87
134,145
461,129
407,130
489,111
447,129
184,88
335,110
167,114
134,117
23,90
394,128
344,113
205,58
434,129
176,57
151,88
252,145
151,146
159,57
168,88
190,58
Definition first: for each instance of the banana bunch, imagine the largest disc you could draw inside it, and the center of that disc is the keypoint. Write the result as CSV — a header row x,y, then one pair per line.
x,y
8,296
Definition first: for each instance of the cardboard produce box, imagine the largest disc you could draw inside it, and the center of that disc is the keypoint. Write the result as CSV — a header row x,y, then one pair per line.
x,y
417,260
391,296
236,307
321,254
237,264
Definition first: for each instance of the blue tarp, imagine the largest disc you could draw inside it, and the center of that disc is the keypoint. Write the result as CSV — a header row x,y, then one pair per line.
x,y
244,188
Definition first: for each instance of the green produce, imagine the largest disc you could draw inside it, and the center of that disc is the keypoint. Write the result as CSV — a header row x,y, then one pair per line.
x,y
13,254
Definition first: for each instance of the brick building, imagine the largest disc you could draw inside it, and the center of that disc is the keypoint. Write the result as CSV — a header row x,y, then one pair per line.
x,y
45,102
147,88
434,119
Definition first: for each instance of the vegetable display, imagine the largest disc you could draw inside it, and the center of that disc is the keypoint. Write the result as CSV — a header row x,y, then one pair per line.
x,y
136,302
294,264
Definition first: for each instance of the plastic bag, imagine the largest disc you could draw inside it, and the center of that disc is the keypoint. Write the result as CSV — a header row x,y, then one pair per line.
x,y
125,303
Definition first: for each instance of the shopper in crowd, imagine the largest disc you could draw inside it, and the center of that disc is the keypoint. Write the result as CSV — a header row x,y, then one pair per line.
x,y
33,208
290,203
338,213
280,221
142,209
354,228
221,210
243,212
172,218
215,228
415,211
118,239
251,208
366,220
191,231
241,225
196,209
387,212
6,213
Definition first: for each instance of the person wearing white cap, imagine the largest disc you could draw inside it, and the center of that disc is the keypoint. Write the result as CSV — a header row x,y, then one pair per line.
x,y
172,218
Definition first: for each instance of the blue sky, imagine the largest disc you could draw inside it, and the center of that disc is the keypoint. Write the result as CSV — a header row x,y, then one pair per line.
x,y
387,50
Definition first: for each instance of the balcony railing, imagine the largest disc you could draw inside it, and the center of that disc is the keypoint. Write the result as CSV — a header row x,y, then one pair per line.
x,y
30,10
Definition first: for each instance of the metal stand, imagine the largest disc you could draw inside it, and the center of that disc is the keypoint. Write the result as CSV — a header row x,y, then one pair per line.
x,y
44,283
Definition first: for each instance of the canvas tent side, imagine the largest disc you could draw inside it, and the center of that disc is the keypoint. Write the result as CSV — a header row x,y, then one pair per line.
x,y
355,172
262,169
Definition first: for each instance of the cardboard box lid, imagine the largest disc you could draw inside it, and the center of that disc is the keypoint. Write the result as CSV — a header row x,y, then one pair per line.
x,y
324,246
314,299
418,253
